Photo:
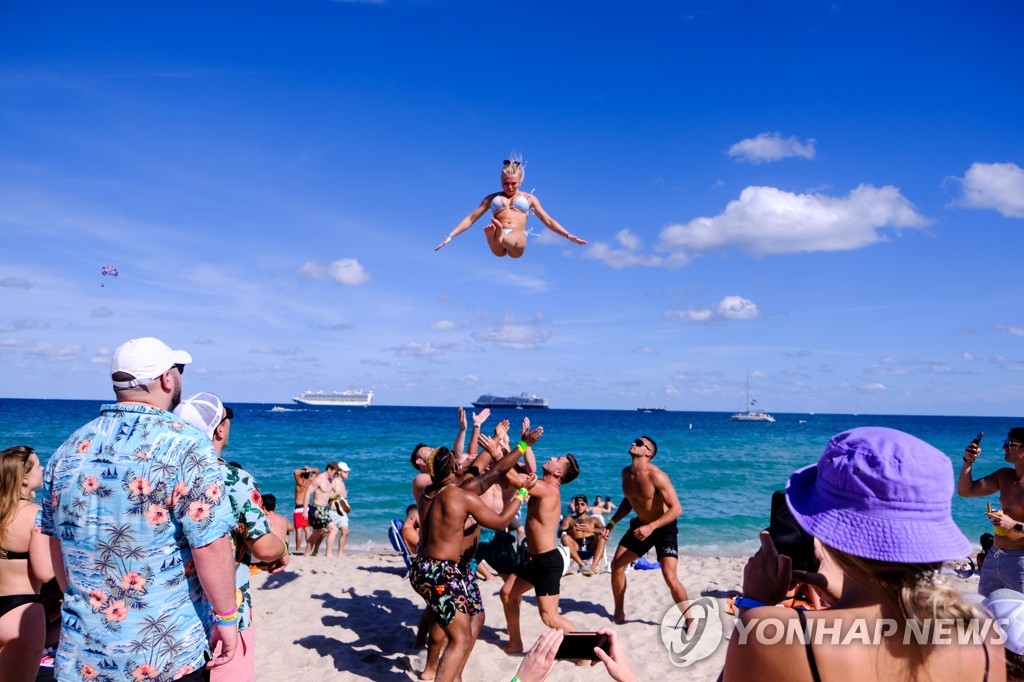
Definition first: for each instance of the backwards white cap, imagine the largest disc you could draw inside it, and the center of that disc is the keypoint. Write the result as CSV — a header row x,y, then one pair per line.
x,y
145,359
204,411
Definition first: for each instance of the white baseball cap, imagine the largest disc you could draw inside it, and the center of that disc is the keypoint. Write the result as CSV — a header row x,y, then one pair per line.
x,y
343,466
204,411
145,359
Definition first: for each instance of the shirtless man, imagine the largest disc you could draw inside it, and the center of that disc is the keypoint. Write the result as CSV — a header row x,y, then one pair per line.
x,y
300,517
579,531
326,488
542,568
647,491
279,525
436,572
1004,565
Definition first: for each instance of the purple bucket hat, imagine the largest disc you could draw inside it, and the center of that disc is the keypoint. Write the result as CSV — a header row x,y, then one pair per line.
x,y
880,494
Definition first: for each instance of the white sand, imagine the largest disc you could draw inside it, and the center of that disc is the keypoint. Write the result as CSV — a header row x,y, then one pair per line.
x,y
355,619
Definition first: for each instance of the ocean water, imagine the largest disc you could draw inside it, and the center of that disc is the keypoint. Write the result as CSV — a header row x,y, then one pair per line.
x,y
724,471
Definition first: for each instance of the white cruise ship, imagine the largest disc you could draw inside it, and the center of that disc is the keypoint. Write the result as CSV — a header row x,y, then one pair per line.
x,y
349,398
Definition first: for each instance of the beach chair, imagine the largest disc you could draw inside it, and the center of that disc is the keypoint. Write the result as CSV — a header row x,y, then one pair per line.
x,y
395,536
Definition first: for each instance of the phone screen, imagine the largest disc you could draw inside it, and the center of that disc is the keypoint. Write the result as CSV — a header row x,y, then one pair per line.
x,y
580,645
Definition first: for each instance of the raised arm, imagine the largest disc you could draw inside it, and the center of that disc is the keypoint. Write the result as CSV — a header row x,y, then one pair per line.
x,y
478,422
460,437
467,222
966,486
553,224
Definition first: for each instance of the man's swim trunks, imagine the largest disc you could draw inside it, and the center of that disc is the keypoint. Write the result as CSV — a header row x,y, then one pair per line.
x,y
498,549
665,540
319,517
299,518
445,588
543,571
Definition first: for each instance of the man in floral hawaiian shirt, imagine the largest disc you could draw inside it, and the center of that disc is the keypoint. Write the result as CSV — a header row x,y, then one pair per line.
x,y
251,538
133,503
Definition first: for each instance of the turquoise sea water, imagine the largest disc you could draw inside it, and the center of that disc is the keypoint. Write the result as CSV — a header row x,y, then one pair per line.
x,y
724,471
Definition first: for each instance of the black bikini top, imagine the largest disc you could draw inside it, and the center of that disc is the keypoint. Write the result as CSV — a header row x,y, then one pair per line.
x,y
7,555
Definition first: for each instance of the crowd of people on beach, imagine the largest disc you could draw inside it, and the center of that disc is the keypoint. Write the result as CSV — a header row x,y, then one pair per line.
x,y
136,561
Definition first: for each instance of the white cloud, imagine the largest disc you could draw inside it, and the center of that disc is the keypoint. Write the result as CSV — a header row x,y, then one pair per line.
x,y
48,351
997,186
415,349
102,311
737,308
875,387
1011,329
969,357
769,147
645,350
19,325
448,325
627,255
514,335
729,308
769,221
344,271
15,283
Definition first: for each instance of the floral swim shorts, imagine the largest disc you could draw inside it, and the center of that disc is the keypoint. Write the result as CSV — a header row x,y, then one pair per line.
x,y
446,587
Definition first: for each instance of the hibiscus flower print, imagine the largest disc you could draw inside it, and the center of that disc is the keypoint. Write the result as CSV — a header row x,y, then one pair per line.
x,y
97,599
145,672
90,484
156,515
213,492
180,491
83,446
89,672
142,455
199,510
256,498
139,487
117,611
132,581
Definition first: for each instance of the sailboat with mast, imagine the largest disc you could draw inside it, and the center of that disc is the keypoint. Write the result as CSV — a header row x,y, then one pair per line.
x,y
753,414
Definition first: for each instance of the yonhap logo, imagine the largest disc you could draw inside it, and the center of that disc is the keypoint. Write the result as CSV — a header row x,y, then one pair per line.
x,y
685,645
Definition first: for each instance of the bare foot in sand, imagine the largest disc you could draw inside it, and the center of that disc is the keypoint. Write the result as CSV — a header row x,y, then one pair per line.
x,y
619,618
511,648
428,674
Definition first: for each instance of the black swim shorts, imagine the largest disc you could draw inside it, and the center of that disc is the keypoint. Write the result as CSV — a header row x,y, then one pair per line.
x,y
543,571
664,540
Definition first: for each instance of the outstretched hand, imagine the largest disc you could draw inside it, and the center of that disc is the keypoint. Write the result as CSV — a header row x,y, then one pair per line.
x,y
445,242
615,660
767,575
528,436
571,237
481,417
462,419
541,658
501,430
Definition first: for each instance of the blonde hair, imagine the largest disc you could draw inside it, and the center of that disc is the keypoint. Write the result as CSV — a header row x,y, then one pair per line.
x,y
917,589
14,467
514,166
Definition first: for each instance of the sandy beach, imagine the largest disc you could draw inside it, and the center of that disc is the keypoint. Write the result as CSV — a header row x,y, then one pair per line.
x,y
357,617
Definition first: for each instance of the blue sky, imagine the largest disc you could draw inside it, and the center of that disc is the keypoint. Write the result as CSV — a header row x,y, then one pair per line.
x,y
827,194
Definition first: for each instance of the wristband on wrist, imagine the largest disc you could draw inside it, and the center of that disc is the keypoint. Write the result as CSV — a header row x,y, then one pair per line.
x,y
967,461
516,679
747,603
227,614
611,524
522,446
523,494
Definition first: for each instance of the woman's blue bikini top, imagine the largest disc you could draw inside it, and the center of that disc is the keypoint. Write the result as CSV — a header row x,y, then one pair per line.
x,y
519,203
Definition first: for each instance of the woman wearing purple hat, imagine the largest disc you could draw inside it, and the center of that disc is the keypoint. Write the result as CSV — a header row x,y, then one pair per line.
x,y
878,502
